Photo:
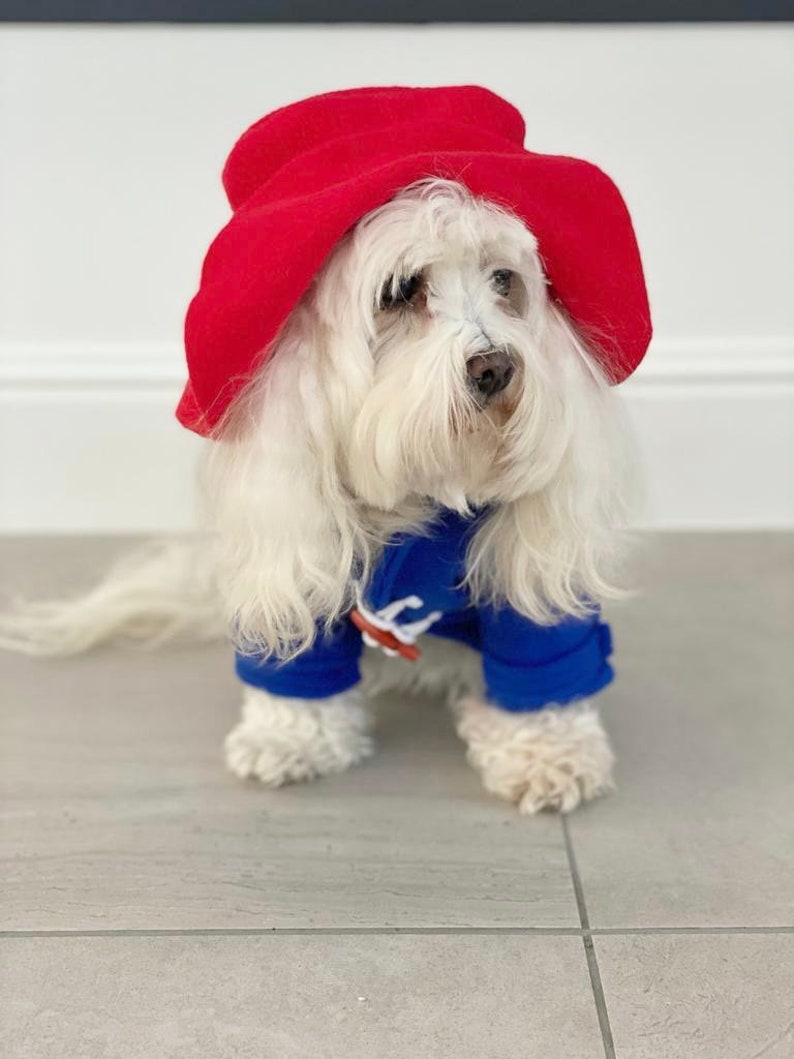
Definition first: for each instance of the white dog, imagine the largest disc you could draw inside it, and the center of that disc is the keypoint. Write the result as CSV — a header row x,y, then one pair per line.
x,y
427,370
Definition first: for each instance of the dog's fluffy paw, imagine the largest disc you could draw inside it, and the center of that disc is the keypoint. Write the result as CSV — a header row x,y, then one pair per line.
x,y
281,740
553,758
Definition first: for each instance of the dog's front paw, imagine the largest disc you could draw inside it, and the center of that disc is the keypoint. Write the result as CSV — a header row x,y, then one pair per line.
x,y
281,740
552,758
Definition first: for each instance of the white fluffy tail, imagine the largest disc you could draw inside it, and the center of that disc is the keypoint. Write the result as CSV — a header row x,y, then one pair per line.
x,y
162,591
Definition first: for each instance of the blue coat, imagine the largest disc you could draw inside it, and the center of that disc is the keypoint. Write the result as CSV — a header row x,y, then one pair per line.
x,y
417,588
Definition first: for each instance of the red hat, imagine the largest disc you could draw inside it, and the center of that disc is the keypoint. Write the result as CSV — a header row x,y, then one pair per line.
x,y
302,176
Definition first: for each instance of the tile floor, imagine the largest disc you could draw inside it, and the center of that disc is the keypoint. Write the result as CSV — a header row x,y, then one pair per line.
x,y
155,907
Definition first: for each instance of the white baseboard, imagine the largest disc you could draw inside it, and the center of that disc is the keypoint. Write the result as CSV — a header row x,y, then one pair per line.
x,y
88,441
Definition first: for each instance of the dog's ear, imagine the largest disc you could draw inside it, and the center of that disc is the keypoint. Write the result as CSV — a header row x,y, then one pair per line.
x,y
289,543
557,547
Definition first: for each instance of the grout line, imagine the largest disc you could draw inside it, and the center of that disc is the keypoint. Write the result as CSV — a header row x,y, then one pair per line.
x,y
254,932
234,932
631,931
589,947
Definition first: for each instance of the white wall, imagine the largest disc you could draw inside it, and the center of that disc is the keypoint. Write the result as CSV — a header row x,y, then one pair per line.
x,y
111,143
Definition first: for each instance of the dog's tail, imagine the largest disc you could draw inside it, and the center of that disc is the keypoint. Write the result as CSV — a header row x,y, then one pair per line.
x,y
163,591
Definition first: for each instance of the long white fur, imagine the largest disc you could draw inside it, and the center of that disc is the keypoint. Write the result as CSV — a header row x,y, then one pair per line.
x,y
357,426
360,424
160,591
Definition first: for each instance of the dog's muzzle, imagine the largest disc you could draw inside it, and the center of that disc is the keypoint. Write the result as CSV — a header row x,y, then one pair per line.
x,y
489,373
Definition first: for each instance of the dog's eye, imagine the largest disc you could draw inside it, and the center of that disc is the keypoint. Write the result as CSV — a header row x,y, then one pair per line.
x,y
395,295
501,280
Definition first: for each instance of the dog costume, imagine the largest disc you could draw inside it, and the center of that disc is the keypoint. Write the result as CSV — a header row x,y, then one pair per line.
x,y
416,588
297,181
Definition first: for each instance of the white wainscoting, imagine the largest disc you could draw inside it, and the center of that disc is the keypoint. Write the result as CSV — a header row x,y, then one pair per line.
x,y
111,145
95,447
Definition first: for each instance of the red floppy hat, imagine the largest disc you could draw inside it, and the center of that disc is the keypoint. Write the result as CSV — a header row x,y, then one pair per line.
x,y
300,177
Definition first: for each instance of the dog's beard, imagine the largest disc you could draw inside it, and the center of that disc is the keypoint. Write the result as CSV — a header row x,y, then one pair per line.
x,y
420,430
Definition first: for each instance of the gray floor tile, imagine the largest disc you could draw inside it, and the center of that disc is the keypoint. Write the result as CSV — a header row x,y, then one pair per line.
x,y
277,997
117,812
699,996
701,829
46,567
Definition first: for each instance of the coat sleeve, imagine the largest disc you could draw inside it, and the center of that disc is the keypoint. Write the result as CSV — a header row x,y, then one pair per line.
x,y
326,668
528,666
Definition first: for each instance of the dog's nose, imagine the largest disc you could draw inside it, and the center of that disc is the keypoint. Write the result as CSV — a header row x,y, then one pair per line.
x,y
490,373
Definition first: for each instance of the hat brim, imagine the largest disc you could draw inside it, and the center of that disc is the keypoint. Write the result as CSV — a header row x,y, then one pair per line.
x,y
266,257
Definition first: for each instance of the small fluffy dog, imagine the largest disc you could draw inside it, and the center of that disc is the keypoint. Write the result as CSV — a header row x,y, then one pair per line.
x,y
429,450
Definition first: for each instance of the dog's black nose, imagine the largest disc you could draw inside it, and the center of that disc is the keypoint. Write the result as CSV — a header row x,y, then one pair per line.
x,y
490,373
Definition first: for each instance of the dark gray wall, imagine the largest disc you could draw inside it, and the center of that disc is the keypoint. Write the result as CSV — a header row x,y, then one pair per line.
x,y
396,11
